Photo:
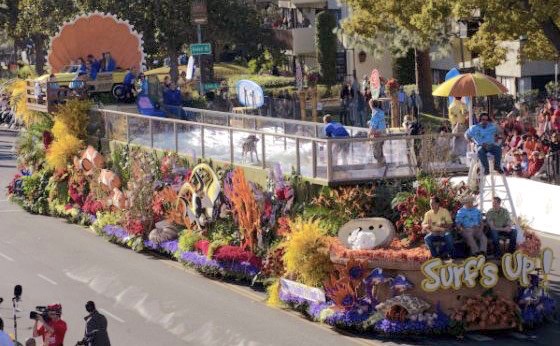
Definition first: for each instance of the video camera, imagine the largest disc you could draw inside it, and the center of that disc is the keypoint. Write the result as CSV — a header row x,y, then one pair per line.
x,y
39,311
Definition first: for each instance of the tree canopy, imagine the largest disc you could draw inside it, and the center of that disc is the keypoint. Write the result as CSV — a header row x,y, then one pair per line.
x,y
534,21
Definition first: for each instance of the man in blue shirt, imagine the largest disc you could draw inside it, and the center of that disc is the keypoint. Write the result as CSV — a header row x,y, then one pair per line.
x,y
469,224
128,83
335,129
484,136
377,128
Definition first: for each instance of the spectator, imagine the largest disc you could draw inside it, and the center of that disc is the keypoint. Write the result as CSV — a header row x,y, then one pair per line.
x,y
172,96
142,84
437,224
484,136
499,222
345,100
377,128
469,224
458,118
82,65
5,339
183,83
52,331
334,129
529,144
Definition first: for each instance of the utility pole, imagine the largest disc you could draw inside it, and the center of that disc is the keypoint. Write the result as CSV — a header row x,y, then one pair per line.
x,y
199,16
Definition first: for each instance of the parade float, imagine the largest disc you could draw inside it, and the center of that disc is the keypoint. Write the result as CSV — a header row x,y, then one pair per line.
x,y
339,255
330,253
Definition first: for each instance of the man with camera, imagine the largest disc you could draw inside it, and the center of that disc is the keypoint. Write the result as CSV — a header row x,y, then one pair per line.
x,y
52,328
96,328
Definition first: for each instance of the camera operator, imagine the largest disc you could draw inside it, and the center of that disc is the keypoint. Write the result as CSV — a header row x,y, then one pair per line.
x,y
53,328
96,327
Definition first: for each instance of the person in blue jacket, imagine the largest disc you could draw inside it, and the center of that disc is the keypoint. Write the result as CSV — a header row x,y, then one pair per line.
x,y
94,66
173,100
335,129
128,83
377,128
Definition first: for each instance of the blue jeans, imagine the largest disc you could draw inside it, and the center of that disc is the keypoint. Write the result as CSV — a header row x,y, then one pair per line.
x,y
494,150
447,238
495,237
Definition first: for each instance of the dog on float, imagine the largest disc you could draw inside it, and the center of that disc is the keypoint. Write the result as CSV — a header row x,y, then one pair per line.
x,y
249,147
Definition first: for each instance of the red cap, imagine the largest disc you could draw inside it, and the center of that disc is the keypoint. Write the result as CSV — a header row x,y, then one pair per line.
x,y
55,307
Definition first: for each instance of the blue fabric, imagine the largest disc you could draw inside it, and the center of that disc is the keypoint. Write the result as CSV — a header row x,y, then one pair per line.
x,y
468,217
447,238
144,87
377,121
82,68
129,78
481,135
335,130
76,84
172,97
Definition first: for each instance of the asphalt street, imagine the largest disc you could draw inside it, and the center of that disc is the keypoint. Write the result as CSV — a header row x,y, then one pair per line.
x,y
150,300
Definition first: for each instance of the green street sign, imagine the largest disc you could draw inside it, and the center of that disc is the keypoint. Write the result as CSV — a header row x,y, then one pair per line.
x,y
201,48
211,86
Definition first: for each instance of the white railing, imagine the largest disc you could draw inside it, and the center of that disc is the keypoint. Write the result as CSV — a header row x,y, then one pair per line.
x,y
295,145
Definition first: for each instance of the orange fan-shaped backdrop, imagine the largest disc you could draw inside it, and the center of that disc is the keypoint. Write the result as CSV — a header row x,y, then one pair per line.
x,y
94,34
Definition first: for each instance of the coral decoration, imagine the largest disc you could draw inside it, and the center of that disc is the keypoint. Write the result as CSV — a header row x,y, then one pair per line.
x,y
395,252
283,226
245,208
346,286
273,265
306,252
532,244
488,311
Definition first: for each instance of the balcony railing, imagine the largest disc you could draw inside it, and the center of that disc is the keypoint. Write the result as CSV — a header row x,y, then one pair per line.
x,y
294,145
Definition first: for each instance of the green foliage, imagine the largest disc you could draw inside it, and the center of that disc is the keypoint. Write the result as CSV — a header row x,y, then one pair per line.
x,y
222,232
329,221
552,88
325,43
26,72
36,192
504,20
187,240
29,145
120,162
265,81
106,218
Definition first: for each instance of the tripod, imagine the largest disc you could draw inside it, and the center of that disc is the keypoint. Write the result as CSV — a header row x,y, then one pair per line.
x,y
14,310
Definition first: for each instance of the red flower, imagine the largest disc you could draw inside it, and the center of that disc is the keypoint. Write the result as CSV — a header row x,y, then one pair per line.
x,y
202,246
230,253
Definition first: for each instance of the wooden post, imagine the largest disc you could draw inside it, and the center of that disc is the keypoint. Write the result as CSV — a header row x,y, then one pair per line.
x,y
314,102
302,95
395,121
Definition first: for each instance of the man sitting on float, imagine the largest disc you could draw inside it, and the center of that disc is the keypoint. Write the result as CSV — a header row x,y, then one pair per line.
x,y
499,222
469,224
484,135
437,223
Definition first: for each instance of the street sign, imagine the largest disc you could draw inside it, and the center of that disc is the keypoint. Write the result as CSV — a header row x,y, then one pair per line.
x,y
201,48
211,86
199,13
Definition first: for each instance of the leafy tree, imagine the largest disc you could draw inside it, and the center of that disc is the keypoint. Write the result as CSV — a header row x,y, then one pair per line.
x,y
403,68
9,11
537,21
404,25
325,43
40,19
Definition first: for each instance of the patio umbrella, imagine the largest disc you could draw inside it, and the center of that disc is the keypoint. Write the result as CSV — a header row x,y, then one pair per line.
x,y
470,84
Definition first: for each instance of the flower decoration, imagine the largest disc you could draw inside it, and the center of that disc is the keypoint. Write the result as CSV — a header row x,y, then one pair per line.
x,y
392,86
400,284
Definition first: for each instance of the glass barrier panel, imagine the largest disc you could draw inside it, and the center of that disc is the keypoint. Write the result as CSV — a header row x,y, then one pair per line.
x,y
189,139
282,151
241,122
213,118
217,144
164,138
321,148
304,130
139,131
306,158
270,126
116,127
96,124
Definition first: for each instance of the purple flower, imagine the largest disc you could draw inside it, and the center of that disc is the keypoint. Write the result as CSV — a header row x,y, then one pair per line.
x,y
356,272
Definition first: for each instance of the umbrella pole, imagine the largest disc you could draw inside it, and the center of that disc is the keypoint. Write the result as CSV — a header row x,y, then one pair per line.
x,y
471,115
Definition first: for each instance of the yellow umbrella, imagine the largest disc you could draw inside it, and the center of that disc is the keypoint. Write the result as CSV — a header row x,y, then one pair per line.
x,y
470,84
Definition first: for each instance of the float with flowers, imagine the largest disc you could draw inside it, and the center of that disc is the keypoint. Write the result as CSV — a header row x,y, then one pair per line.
x,y
351,256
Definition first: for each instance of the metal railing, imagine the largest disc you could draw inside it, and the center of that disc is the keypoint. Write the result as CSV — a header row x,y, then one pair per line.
x,y
294,145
